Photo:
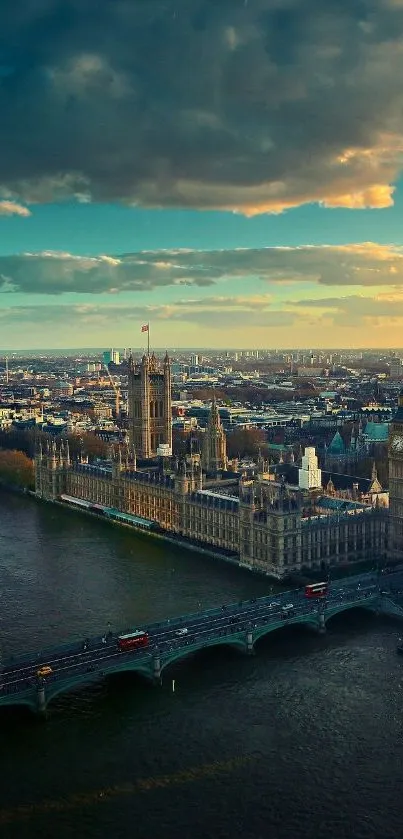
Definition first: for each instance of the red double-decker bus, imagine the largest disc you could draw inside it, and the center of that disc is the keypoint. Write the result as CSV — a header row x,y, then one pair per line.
x,y
133,640
316,590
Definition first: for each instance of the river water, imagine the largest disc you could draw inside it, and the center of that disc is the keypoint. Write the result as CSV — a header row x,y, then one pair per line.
x,y
302,740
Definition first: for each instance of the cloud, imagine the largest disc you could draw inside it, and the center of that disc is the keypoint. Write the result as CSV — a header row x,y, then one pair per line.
x,y
362,264
212,312
57,273
253,107
215,321
223,312
357,310
11,208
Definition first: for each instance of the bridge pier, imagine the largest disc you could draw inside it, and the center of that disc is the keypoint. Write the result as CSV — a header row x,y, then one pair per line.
x,y
322,624
157,670
249,642
41,699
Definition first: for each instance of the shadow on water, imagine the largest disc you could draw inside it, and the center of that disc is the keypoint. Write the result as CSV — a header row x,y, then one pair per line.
x,y
352,620
304,640
201,660
284,635
18,716
114,696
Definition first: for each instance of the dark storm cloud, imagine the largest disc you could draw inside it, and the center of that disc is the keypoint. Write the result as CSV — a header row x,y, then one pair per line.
x,y
365,264
253,106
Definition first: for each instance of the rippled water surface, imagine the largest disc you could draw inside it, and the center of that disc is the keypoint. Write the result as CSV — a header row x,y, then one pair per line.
x,y
302,740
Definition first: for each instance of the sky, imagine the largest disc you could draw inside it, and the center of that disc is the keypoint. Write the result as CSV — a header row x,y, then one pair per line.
x,y
229,172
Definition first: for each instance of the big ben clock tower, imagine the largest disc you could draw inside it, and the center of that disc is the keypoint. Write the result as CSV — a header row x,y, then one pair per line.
x,y
396,484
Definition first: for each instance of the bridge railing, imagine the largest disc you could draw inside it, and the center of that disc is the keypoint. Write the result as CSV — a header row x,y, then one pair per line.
x,y
214,611
204,636
181,620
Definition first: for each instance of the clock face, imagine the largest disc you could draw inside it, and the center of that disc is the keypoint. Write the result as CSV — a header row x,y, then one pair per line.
x,y
397,444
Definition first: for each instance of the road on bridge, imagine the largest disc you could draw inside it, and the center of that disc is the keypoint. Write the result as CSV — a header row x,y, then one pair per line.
x,y
100,654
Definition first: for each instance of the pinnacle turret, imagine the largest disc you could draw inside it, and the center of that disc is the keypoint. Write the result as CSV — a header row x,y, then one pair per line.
x,y
214,456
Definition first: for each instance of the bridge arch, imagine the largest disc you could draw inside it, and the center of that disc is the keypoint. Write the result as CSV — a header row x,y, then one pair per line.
x,y
237,642
366,606
15,701
262,631
95,677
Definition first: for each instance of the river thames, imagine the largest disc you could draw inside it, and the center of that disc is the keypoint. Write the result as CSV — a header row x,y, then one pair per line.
x,y
302,740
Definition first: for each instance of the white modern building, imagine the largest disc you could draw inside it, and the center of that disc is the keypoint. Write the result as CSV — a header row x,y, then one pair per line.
x,y
309,474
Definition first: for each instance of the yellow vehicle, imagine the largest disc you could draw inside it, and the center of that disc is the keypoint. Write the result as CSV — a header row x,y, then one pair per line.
x,y
43,671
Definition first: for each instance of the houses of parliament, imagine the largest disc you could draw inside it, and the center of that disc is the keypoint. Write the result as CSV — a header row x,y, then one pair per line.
x,y
250,517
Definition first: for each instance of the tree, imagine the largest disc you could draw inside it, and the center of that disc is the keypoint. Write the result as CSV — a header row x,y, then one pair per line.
x,y
206,394
179,441
88,444
16,469
246,442
16,439
26,441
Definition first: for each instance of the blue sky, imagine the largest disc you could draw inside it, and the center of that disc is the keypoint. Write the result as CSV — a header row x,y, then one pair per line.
x,y
91,229
252,149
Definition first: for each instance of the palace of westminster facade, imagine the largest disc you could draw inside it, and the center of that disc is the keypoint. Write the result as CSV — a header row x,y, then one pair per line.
x,y
255,520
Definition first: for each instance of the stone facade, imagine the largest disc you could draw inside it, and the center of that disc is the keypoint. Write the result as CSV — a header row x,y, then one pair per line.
x,y
345,455
396,483
261,524
214,452
282,530
149,401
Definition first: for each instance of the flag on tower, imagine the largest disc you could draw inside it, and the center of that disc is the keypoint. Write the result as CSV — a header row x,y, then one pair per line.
x,y
145,327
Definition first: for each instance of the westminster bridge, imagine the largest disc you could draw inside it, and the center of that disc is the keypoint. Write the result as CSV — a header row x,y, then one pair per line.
x,y
239,625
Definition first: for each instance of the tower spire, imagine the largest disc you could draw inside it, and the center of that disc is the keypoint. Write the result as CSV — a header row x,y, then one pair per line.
x,y
214,455
215,414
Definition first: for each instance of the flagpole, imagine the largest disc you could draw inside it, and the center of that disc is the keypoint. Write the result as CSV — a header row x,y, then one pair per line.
x,y
148,339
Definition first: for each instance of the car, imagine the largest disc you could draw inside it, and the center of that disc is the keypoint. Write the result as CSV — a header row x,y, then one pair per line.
x,y
183,631
44,671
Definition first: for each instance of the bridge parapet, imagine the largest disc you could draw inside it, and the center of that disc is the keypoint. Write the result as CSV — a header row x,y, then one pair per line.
x,y
389,606
239,625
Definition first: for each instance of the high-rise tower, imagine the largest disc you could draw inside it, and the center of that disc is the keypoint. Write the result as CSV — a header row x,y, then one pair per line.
x,y
396,483
214,453
149,405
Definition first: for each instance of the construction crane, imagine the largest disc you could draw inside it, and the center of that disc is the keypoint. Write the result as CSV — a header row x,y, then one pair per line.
x,y
117,391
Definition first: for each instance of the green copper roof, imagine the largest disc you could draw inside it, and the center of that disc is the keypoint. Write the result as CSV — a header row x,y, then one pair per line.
x,y
377,431
337,446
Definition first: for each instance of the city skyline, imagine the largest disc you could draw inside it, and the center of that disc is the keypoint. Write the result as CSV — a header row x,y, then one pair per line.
x,y
253,202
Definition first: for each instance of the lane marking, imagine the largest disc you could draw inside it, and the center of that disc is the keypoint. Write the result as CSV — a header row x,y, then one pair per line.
x,y
238,626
